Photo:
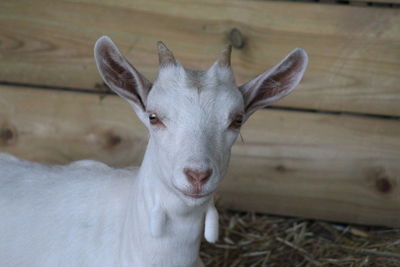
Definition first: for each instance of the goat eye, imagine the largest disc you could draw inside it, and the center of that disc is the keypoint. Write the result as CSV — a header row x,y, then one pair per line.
x,y
237,122
153,119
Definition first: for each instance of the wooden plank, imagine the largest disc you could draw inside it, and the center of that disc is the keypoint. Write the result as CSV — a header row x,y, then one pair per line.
x,y
334,167
377,1
354,51
58,127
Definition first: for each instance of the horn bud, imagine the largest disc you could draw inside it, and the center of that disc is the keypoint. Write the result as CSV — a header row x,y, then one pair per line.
x,y
225,57
165,56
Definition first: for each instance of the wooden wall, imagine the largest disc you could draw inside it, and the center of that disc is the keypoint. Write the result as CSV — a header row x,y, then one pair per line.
x,y
331,150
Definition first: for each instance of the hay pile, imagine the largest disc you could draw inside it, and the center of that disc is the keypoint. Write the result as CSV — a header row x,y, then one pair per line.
x,y
249,239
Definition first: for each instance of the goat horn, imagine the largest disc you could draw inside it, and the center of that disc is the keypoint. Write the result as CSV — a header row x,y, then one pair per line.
x,y
165,56
225,57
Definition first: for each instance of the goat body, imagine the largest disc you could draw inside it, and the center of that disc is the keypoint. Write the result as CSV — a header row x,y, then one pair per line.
x,y
77,215
52,214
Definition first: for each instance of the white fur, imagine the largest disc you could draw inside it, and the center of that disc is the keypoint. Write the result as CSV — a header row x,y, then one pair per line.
x,y
158,219
88,214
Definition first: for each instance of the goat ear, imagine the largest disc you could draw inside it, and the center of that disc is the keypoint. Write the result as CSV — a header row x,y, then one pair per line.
x,y
276,83
119,74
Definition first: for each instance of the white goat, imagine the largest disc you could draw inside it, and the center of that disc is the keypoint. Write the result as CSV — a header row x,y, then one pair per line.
x,y
88,214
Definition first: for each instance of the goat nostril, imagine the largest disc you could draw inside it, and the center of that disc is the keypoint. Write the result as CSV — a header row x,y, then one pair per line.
x,y
197,178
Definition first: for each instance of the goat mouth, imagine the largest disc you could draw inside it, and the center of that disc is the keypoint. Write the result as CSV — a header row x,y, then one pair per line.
x,y
196,195
193,195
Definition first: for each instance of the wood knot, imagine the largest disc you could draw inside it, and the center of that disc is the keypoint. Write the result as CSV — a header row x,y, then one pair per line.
x,y
280,168
236,38
383,185
8,134
382,181
107,139
113,140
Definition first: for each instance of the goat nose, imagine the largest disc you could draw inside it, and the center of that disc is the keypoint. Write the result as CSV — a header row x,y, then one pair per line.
x,y
197,178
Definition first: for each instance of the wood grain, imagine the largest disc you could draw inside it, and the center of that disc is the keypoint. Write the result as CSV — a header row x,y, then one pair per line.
x,y
334,167
354,51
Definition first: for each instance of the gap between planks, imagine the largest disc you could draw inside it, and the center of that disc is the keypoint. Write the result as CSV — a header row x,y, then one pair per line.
x,y
108,92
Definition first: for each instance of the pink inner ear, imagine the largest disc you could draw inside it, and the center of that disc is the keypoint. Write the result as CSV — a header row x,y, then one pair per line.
x,y
118,73
275,84
280,80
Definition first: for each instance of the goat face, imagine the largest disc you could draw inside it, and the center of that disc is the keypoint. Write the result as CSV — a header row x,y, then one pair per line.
x,y
195,117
